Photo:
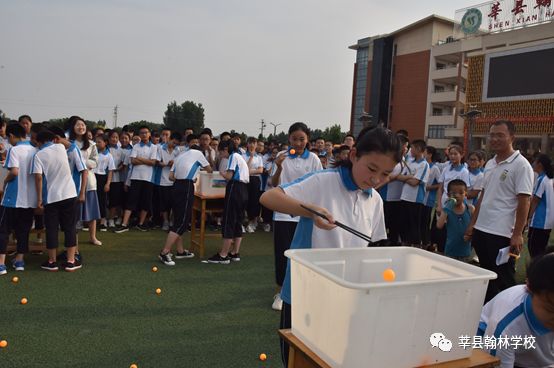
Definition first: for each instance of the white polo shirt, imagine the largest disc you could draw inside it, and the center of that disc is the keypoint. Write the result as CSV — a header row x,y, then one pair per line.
x,y
76,165
294,167
392,191
256,163
542,217
450,173
502,183
105,163
165,157
21,191
335,190
125,174
187,165
239,167
475,182
51,161
419,170
143,150
510,315
118,157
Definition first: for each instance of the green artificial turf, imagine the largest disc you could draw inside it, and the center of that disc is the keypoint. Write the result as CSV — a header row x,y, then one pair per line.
x,y
108,315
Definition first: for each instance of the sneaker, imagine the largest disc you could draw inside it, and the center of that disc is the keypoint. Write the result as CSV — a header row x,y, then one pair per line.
x,y
242,228
217,258
141,227
103,227
166,259
234,257
277,302
121,229
85,228
49,266
79,258
165,226
111,223
250,229
3,269
18,265
267,228
72,266
185,254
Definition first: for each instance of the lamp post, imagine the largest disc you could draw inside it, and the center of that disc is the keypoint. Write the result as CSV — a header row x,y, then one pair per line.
x,y
470,116
275,128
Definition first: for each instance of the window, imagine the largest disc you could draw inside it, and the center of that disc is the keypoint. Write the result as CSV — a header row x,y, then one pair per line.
x,y
436,131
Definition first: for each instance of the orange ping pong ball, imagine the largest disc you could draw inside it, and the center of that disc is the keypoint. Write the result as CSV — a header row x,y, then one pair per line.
x,y
158,291
292,151
15,279
3,344
263,356
154,269
389,275
24,301
133,366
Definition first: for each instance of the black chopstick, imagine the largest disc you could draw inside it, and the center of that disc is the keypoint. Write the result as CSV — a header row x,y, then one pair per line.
x,y
339,224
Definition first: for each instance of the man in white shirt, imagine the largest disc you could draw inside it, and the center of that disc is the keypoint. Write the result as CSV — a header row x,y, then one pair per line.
x,y
501,212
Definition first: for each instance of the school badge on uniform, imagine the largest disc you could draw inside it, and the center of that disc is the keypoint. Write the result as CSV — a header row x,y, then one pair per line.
x,y
504,175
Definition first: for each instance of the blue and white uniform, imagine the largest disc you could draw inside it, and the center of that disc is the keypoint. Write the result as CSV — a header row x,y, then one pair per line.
x,y
510,314
392,191
143,150
475,182
166,157
76,164
431,195
187,165
335,190
542,217
20,192
419,169
105,163
449,173
118,158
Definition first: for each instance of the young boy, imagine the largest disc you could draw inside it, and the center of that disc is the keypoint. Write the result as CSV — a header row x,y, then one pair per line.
x,y
167,153
415,176
143,158
236,193
255,168
183,172
524,313
57,195
456,215
20,197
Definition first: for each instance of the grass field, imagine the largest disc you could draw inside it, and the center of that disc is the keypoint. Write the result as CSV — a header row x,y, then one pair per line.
x,y
108,314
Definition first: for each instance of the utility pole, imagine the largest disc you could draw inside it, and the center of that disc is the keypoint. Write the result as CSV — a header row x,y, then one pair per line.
x,y
275,128
115,116
264,125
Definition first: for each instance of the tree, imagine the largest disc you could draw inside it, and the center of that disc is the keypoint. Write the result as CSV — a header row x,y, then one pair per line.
x,y
334,134
61,122
188,114
135,126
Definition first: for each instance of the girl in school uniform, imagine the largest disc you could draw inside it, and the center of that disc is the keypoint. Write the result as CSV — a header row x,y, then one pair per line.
x,y
236,197
542,205
288,166
125,173
346,193
475,166
104,174
115,195
90,209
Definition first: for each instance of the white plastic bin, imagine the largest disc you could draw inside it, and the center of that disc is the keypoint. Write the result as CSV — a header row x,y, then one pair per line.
x,y
347,314
210,184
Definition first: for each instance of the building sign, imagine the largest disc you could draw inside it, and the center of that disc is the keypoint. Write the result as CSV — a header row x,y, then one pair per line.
x,y
502,15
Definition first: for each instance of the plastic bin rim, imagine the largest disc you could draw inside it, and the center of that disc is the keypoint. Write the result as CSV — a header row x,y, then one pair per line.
x,y
292,254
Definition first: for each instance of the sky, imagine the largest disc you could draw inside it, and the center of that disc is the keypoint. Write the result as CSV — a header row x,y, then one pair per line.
x,y
244,60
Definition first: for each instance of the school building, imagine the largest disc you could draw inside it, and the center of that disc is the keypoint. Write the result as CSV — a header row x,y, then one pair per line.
x,y
426,76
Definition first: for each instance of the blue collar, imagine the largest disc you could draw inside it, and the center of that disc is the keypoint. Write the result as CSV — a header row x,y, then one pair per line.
x,y
128,147
105,151
420,160
112,146
304,154
46,145
458,167
348,181
476,171
21,143
248,154
536,325
142,144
